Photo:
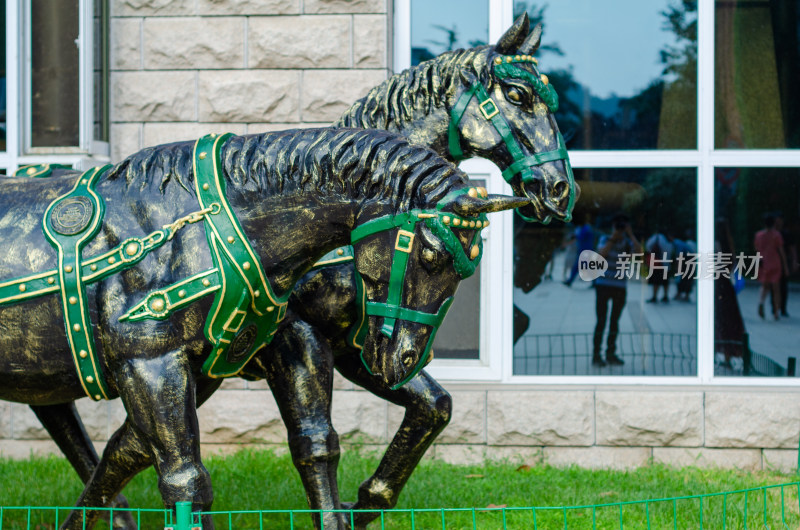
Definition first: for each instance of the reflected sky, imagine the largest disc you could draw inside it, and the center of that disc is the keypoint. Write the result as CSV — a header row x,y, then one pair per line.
x,y
612,47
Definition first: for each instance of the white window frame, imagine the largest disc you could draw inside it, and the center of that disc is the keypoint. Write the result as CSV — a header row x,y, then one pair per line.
x,y
18,104
705,158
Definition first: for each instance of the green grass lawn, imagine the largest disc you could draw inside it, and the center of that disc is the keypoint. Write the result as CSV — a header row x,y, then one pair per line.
x,y
251,480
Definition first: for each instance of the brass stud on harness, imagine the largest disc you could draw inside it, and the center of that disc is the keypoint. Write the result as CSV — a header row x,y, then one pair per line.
x,y
203,155
473,253
112,260
22,287
456,221
446,219
93,266
545,79
498,60
132,249
158,304
89,379
73,300
231,239
339,251
182,293
51,280
256,293
472,193
83,354
206,282
76,327
270,309
205,187
68,269
31,170
246,265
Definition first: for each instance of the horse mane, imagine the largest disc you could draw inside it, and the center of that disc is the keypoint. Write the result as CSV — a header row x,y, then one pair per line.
x,y
392,104
360,164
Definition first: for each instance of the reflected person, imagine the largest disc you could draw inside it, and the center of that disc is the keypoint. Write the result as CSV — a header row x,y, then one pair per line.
x,y
612,287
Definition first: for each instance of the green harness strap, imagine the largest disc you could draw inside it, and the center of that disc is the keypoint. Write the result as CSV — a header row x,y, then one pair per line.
x,y
246,312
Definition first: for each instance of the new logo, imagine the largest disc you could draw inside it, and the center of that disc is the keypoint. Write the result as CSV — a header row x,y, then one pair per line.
x,y
591,265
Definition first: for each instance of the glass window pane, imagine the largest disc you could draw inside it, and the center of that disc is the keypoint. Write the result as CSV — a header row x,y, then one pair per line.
x,y
625,71
3,123
758,210
54,73
459,335
100,72
444,25
757,59
650,325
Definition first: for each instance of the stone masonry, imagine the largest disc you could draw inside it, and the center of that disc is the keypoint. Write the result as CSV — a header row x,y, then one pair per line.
x,y
748,429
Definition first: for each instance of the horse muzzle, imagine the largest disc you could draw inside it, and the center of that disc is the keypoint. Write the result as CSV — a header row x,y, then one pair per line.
x,y
552,194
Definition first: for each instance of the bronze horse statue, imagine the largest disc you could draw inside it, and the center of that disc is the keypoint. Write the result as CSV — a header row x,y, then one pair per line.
x,y
314,336
242,218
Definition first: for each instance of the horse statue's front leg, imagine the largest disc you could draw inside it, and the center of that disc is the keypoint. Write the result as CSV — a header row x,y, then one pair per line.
x,y
159,395
428,410
300,375
66,428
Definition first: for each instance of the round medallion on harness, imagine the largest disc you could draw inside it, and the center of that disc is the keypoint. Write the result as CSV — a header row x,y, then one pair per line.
x,y
242,344
72,215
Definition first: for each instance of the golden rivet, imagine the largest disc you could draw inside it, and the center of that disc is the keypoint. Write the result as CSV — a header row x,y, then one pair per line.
x,y
339,251
545,79
84,182
206,283
213,135
456,221
478,224
111,260
31,170
22,287
51,280
76,327
205,187
132,249
486,223
517,57
256,293
203,155
83,354
508,59
498,60
535,60
231,239
446,219
472,192
182,293
93,266
157,304
270,309
474,252
97,397
472,224
90,379
246,265
73,300
68,269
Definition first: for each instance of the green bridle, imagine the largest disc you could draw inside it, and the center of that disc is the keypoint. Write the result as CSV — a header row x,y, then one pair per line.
x,y
405,223
507,68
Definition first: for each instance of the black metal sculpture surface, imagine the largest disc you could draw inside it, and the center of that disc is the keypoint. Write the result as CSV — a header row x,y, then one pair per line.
x,y
315,333
281,201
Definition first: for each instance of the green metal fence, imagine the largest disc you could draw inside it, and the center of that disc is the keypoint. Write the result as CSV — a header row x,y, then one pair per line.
x,y
771,507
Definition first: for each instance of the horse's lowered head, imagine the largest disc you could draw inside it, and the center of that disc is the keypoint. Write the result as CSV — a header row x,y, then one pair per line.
x,y
503,111
408,267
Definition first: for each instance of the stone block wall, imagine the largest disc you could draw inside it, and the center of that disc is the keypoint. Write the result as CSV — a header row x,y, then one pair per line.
x,y
183,68
750,429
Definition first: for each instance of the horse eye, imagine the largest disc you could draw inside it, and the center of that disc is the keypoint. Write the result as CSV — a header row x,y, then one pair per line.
x,y
429,255
514,95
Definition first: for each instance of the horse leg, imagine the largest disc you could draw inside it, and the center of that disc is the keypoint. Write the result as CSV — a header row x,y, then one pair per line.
x,y
66,428
300,375
124,457
428,409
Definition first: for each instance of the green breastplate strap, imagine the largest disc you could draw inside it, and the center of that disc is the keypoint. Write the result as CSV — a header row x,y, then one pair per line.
x,y
246,312
69,223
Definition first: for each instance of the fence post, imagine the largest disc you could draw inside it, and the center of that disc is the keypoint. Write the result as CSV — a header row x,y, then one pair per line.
x,y
747,354
791,367
183,515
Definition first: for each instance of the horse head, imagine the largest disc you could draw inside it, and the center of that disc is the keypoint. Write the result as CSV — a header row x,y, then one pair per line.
x,y
503,111
408,268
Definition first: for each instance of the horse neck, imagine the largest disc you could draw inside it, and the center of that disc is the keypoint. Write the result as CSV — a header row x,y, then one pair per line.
x,y
408,108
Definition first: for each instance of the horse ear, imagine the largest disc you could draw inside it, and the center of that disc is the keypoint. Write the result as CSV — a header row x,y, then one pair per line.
x,y
511,40
466,205
533,41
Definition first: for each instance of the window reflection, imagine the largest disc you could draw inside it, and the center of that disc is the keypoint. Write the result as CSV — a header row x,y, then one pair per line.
x,y
757,58
556,309
752,206
444,25
625,71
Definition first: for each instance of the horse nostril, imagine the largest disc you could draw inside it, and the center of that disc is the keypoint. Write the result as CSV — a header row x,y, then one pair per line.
x,y
560,190
407,359
534,188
